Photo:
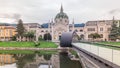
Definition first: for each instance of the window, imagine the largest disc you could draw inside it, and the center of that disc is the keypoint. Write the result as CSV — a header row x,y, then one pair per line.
x,y
70,30
11,33
101,35
60,19
42,31
81,30
91,29
108,29
46,30
65,20
101,29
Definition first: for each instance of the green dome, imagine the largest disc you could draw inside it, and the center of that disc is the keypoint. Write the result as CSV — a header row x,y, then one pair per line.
x,y
61,15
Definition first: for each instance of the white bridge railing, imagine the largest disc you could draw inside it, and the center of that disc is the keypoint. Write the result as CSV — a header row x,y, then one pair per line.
x,y
111,55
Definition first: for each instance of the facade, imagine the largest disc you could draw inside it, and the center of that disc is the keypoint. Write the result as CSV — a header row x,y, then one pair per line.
x,y
102,27
61,24
7,32
31,26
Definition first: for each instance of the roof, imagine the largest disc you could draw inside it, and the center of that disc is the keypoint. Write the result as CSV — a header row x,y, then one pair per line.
x,y
61,14
31,24
9,27
45,25
79,25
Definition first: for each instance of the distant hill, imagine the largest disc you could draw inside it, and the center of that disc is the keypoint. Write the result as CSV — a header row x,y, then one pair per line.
x,y
7,24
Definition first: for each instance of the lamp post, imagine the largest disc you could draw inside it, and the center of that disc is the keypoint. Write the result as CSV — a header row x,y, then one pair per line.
x,y
52,30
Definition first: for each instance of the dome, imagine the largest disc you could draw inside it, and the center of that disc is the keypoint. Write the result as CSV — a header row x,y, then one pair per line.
x,y
61,14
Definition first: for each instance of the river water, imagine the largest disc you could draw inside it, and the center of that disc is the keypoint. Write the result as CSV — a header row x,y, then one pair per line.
x,y
30,59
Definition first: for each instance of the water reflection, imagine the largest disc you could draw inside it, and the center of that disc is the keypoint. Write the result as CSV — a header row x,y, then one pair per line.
x,y
37,60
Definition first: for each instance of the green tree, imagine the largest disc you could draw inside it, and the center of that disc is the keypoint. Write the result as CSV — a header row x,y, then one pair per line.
x,y
14,38
94,36
115,32
20,29
30,35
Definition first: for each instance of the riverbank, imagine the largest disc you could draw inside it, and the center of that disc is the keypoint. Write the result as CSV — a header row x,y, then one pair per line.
x,y
32,49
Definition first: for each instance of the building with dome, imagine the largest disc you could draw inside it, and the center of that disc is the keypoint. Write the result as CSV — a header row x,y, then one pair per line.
x,y
62,24
59,25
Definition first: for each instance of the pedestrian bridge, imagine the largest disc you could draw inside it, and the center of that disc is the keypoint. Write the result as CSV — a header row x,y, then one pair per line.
x,y
105,55
97,56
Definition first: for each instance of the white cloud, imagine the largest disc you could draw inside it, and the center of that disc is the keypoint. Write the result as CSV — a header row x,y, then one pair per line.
x,y
43,10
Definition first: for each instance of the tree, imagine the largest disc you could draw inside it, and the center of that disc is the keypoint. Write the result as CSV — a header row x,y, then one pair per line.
x,y
30,35
94,36
114,33
14,38
20,29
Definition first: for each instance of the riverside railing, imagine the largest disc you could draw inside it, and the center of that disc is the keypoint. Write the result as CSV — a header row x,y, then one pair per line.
x,y
108,54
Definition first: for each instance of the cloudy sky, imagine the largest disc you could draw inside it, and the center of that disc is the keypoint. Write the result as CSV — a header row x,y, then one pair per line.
x,y
42,11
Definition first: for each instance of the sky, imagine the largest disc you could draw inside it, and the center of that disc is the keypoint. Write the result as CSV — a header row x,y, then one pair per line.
x,y
42,11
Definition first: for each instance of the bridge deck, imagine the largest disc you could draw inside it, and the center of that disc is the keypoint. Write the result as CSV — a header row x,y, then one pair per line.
x,y
108,56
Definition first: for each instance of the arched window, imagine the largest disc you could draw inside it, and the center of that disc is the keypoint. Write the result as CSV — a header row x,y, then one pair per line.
x,y
46,30
81,30
60,20
65,20
42,31
70,30
101,35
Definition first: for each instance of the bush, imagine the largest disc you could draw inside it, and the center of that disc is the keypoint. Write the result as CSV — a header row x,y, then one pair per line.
x,y
36,44
14,38
40,38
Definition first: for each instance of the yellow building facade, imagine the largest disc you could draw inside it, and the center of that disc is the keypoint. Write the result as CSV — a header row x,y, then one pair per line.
x,y
7,32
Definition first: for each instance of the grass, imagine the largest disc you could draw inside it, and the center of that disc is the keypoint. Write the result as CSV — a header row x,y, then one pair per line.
x,y
111,43
43,44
